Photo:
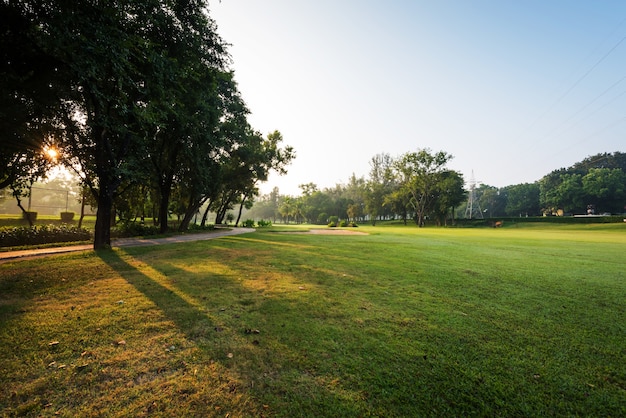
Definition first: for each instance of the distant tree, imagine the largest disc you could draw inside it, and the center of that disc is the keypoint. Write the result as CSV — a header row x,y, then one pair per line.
x,y
287,209
449,193
523,200
420,174
607,188
380,184
492,200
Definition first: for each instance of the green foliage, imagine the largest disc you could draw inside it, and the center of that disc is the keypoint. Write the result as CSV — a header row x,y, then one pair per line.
x,y
248,223
41,234
134,229
196,227
343,223
262,223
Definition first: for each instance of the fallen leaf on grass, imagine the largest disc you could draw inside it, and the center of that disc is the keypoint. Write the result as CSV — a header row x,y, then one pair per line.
x,y
53,343
121,342
229,355
252,331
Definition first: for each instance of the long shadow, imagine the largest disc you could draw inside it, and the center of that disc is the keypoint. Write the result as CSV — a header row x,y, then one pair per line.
x,y
186,316
275,353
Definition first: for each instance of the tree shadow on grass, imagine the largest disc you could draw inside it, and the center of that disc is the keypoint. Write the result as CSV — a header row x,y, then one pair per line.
x,y
185,315
256,331
220,384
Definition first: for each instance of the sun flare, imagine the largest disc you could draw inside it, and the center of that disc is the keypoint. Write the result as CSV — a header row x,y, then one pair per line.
x,y
51,153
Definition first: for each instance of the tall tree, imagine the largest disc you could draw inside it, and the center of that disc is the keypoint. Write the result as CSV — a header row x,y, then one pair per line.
x,y
606,188
449,194
33,82
117,59
523,200
380,184
421,173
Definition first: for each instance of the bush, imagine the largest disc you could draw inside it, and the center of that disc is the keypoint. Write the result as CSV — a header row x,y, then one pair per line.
x,y
263,223
41,234
248,223
134,229
343,224
67,217
353,225
196,227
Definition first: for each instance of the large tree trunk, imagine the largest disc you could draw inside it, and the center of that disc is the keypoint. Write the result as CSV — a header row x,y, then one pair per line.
x,y
192,209
163,210
102,233
165,191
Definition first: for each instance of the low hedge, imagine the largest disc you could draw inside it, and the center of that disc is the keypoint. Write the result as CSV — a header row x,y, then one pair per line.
x,y
41,234
542,219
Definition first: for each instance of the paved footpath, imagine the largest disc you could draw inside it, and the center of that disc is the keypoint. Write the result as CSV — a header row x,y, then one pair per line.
x,y
125,242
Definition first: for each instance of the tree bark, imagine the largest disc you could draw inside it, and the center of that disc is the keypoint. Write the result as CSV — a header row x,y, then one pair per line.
x,y
243,201
102,233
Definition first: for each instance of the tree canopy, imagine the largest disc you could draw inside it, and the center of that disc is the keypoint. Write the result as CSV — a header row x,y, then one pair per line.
x,y
133,94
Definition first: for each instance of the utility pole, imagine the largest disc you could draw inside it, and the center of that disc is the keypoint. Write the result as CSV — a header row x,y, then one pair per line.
x,y
473,207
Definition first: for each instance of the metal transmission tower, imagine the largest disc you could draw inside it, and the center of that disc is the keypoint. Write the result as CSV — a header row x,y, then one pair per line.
x,y
473,207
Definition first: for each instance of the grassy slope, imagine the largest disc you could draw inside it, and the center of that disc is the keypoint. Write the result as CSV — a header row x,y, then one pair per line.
x,y
526,320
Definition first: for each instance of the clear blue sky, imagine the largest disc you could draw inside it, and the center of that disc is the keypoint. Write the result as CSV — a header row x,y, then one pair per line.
x,y
513,89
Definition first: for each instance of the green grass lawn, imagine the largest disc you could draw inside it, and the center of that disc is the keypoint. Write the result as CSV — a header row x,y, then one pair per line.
x,y
526,320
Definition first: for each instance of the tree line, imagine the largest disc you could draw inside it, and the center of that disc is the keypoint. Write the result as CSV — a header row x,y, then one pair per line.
x,y
137,98
398,188
415,186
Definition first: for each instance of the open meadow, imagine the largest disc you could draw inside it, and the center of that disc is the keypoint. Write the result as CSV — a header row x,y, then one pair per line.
x,y
524,320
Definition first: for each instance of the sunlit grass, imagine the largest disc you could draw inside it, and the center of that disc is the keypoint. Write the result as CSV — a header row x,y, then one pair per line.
x,y
401,322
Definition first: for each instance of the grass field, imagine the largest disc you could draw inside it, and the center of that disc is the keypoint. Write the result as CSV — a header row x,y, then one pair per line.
x,y
525,320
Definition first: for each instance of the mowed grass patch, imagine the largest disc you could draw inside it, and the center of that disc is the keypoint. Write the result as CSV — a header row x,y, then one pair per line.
x,y
401,322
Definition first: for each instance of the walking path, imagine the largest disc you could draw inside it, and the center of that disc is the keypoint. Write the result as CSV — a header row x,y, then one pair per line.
x,y
125,242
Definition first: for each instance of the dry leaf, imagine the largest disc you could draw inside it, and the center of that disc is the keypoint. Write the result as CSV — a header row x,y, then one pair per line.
x,y
229,355
121,342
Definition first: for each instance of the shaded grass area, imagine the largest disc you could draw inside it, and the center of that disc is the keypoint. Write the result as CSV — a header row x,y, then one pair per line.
x,y
401,322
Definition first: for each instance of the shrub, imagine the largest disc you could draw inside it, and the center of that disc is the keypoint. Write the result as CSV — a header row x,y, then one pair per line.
x,y
67,217
196,227
353,225
248,223
41,234
263,223
134,229
343,223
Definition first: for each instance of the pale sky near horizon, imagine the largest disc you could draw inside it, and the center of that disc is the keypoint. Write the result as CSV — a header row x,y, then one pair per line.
x,y
512,89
